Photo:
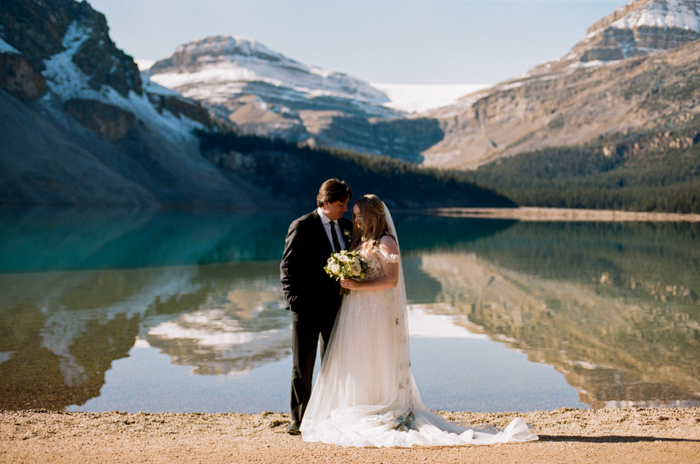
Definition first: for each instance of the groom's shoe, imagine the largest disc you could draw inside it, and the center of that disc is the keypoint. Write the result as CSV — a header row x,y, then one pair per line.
x,y
293,428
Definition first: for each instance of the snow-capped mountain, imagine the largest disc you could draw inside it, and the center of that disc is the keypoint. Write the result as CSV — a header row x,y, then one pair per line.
x,y
266,93
636,29
635,71
214,68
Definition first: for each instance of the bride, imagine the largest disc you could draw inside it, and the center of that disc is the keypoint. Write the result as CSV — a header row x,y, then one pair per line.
x,y
365,394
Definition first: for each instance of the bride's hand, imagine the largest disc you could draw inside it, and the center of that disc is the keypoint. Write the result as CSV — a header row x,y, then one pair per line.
x,y
350,284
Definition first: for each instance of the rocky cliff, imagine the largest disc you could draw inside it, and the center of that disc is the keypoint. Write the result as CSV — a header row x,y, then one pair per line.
x,y
266,93
42,30
636,29
80,125
636,70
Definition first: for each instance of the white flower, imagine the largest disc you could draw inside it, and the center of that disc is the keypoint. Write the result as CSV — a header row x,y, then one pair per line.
x,y
335,268
356,268
343,258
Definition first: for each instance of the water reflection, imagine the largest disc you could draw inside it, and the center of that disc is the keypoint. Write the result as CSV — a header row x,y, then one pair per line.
x,y
240,325
615,308
42,238
61,331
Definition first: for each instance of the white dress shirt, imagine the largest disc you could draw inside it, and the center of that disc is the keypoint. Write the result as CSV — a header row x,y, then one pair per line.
x,y
327,227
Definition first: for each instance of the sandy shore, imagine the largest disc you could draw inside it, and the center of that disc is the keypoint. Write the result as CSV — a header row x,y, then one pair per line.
x,y
526,213
566,436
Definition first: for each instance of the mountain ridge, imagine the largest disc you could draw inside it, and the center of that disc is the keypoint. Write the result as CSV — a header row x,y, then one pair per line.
x,y
574,100
255,59
81,126
267,94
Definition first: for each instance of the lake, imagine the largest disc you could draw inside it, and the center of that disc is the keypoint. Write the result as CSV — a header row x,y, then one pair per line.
x,y
139,310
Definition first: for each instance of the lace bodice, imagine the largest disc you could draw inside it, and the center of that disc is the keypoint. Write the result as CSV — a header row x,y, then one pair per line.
x,y
374,256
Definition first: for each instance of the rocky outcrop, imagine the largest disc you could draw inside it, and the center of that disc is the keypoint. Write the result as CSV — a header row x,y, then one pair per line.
x,y
38,30
110,121
104,63
74,39
659,143
20,78
180,106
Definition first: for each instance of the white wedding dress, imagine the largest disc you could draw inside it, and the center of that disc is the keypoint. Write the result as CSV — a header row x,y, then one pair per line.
x,y
365,394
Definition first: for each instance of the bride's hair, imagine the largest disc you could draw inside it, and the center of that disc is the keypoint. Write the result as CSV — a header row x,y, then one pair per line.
x,y
374,225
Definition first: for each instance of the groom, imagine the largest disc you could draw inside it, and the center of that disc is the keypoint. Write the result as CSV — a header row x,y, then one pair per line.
x,y
312,296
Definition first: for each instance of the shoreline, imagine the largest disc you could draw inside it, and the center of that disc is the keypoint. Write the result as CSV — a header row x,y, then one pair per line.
x,y
622,436
532,213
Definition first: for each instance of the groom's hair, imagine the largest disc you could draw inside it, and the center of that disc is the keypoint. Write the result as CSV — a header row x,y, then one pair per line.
x,y
333,190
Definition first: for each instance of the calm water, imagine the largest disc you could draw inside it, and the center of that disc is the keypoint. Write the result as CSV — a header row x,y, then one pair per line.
x,y
148,311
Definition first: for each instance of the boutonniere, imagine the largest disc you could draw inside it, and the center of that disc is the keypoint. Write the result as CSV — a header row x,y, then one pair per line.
x,y
347,234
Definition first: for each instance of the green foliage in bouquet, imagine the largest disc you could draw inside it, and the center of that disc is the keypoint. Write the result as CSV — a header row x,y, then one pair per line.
x,y
346,265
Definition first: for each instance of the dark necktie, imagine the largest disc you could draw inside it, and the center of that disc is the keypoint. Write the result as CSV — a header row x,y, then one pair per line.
x,y
336,242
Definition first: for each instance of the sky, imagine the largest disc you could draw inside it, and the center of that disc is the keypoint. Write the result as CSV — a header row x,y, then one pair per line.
x,y
379,41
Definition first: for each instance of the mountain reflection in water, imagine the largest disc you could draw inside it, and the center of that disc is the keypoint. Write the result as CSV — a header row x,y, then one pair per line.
x,y
615,308
240,325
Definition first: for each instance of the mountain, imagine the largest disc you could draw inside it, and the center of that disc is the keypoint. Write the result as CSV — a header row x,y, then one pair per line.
x,y
80,126
203,67
636,29
635,71
266,93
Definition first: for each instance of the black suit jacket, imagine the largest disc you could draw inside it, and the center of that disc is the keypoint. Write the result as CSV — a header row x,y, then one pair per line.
x,y
307,287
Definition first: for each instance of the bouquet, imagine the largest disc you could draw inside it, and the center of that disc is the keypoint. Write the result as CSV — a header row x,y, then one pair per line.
x,y
346,265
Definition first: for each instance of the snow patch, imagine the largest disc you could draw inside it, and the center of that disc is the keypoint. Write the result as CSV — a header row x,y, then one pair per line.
x,y
589,64
423,324
57,336
663,14
144,65
417,98
141,343
514,85
154,89
205,336
62,75
67,81
76,35
5,356
231,45
587,365
320,72
7,48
